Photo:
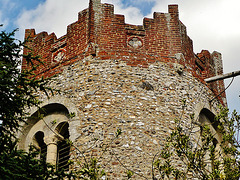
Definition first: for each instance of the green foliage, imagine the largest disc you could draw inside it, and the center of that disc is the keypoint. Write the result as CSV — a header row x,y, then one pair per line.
x,y
16,88
72,115
91,170
129,174
118,133
17,92
54,122
204,158
17,164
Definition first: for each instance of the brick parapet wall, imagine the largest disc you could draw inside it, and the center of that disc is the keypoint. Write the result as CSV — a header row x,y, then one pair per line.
x,y
102,34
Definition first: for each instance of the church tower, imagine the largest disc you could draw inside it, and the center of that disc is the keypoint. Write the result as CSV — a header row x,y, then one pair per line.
x,y
113,75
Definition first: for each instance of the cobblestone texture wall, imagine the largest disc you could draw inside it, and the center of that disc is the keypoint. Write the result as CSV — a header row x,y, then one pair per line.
x,y
118,76
142,102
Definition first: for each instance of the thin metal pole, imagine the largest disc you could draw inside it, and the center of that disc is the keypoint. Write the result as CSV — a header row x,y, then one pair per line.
x,y
223,76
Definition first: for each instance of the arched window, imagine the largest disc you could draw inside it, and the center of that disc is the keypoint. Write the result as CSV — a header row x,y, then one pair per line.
x,y
206,117
46,130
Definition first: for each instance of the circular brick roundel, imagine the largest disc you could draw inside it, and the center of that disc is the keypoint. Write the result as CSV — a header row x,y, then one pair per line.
x,y
60,55
135,42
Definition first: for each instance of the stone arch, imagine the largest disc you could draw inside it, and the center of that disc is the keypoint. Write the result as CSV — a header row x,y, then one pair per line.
x,y
38,139
58,100
207,117
46,129
56,107
62,129
205,114
203,105
46,120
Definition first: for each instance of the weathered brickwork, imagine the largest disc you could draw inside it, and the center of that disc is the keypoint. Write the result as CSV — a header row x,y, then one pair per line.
x,y
119,76
104,35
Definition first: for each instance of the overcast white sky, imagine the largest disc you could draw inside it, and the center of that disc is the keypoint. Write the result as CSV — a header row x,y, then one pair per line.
x,y
211,24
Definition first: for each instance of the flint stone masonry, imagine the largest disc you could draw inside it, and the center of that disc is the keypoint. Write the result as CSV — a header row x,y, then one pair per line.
x,y
113,75
112,101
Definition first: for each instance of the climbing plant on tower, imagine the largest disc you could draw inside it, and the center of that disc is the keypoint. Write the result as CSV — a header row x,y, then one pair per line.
x,y
202,156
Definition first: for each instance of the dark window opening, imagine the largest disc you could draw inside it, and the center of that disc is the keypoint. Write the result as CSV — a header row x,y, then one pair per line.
x,y
215,142
41,144
63,153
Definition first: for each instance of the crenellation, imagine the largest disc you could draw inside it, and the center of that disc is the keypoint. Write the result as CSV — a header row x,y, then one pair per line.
x,y
173,9
82,14
59,43
108,10
134,77
120,19
50,39
29,33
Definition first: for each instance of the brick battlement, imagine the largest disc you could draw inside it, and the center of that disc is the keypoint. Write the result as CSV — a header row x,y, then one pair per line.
x,y
104,35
